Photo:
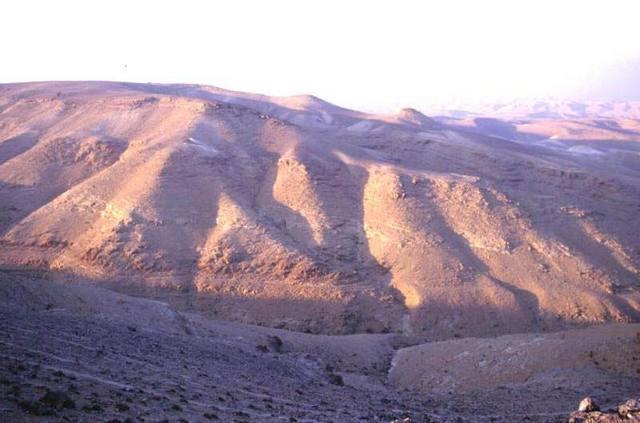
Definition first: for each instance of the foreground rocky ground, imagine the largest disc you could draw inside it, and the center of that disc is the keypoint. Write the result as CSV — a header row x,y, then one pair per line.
x,y
82,353
589,411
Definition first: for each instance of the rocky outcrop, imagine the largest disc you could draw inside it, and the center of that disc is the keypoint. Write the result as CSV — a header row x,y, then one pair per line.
x,y
588,412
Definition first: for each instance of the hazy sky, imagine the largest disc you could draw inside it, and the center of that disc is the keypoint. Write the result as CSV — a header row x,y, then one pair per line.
x,y
364,54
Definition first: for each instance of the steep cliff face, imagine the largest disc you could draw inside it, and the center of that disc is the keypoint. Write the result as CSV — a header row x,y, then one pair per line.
x,y
295,213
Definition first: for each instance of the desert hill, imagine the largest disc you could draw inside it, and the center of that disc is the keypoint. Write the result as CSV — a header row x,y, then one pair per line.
x,y
298,214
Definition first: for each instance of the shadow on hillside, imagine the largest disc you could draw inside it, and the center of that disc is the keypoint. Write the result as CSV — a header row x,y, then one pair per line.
x,y
344,255
495,128
17,145
305,316
53,182
611,125
467,319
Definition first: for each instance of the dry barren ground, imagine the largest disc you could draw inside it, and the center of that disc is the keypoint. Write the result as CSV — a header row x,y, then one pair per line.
x,y
116,357
186,252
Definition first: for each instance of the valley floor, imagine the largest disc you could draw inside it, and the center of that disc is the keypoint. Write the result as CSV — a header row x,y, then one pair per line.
x,y
82,353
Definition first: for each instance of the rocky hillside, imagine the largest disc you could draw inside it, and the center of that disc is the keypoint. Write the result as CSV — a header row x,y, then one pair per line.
x,y
298,214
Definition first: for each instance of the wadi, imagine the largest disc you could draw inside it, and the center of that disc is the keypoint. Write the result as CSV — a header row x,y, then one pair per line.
x,y
174,252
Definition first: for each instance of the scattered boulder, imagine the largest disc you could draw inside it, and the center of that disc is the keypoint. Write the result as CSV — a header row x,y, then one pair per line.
x,y
630,409
589,412
588,405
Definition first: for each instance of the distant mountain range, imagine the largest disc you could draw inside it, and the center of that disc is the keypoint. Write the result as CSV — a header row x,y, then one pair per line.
x,y
543,109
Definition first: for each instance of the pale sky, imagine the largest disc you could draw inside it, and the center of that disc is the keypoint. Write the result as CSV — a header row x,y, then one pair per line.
x,y
368,55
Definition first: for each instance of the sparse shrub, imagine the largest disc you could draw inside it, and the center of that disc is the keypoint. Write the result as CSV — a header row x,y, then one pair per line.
x,y
336,379
57,400
122,407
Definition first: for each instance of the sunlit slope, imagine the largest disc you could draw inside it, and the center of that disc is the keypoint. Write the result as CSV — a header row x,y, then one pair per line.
x,y
295,213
